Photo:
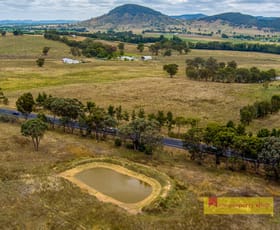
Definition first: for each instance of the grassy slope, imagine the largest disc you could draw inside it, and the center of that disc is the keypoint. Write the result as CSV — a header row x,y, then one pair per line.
x,y
32,197
134,84
30,46
207,27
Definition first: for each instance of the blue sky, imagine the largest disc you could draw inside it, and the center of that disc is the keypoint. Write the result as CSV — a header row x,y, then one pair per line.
x,y
85,9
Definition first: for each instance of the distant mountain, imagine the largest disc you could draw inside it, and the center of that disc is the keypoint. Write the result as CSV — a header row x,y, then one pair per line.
x,y
233,18
31,22
238,19
266,18
131,16
190,16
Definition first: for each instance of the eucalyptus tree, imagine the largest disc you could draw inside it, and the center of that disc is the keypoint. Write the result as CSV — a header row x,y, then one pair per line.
x,y
171,69
25,104
270,155
34,128
144,134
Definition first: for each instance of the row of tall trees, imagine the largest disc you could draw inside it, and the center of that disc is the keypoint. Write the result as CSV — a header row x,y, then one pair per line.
x,y
236,145
256,47
88,47
110,35
212,70
143,131
72,110
259,109
34,128
95,121
92,120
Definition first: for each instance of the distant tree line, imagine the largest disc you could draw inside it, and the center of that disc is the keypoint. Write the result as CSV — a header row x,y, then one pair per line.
x,y
256,47
89,47
259,109
17,32
127,37
160,43
167,45
130,37
110,35
212,70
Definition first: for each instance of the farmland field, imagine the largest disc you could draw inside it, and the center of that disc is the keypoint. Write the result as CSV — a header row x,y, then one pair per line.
x,y
34,196
133,84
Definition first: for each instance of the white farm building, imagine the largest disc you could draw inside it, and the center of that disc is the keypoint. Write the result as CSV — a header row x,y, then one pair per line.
x,y
146,58
127,58
70,61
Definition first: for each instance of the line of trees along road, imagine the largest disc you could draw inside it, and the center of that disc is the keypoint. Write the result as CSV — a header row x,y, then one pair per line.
x,y
233,142
138,128
143,132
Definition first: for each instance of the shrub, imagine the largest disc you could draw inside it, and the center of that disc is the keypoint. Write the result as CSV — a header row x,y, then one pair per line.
x,y
40,62
118,142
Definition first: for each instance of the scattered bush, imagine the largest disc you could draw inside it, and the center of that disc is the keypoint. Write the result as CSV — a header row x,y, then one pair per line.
x,y
118,142
40,62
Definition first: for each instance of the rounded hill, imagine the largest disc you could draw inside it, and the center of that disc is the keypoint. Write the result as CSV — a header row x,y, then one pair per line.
x,y
131,16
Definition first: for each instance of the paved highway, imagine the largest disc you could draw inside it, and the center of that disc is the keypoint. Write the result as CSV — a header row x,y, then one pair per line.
x,y
171,142
176,143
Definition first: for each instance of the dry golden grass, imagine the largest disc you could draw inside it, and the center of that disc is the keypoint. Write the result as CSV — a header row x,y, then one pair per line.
x,y
44,200
208,27
140,84
179,95
27,46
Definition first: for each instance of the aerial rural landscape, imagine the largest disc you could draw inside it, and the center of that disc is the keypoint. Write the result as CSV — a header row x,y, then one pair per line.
x,y
147,115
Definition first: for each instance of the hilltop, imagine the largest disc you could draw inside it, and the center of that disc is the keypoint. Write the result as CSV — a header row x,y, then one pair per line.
x,y
190,16
131,16
238,19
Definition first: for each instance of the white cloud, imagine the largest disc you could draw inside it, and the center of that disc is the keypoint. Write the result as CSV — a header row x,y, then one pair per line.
x,y
84,9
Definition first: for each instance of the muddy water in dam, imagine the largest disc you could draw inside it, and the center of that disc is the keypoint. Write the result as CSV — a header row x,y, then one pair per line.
x,y
121,187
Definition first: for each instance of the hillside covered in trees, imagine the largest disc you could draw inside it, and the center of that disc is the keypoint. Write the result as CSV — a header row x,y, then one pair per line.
x,y
238,19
